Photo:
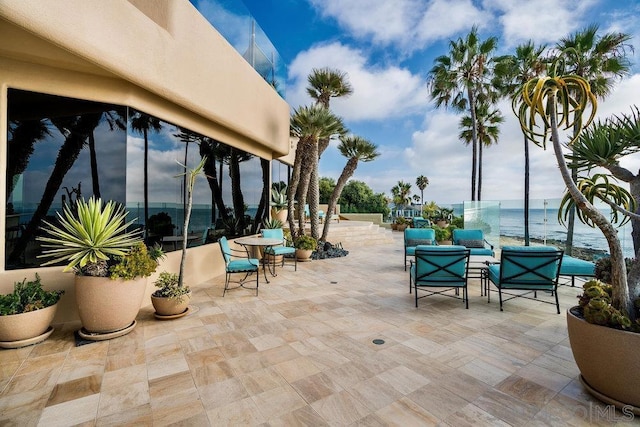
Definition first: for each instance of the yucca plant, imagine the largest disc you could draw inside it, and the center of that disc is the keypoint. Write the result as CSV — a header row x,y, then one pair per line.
x,y
90,237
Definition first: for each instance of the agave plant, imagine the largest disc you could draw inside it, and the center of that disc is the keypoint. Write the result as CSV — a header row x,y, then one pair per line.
x,y
89,236
279,198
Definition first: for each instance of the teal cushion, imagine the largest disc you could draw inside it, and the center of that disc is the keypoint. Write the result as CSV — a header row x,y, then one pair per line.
x,y
280,250
576,267
238,265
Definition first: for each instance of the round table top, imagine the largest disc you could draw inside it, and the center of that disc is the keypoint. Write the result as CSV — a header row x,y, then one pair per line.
x,y
258,241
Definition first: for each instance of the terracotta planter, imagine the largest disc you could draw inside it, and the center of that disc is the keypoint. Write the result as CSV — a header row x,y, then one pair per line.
x,y
106,305
269,259
609,361
280,214
303,254
25,326
171,307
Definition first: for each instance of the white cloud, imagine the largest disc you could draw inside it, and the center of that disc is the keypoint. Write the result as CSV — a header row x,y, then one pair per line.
x,y
545,21
444,18
378,92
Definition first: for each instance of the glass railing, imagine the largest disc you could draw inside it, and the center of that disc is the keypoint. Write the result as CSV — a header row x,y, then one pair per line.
x,y
232,19
544,225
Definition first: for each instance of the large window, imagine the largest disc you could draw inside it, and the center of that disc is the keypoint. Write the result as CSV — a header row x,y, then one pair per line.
x,y
60,149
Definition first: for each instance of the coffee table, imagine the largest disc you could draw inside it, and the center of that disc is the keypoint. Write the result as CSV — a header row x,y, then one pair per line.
x,y
478,266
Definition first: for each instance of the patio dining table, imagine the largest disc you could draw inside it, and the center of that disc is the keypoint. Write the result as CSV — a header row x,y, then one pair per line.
x,y
253,244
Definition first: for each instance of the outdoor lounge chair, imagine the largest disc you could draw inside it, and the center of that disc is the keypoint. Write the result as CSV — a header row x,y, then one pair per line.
x,y
438,269
473,240
283,250
414,237
526,268
238,262
575,267
420,222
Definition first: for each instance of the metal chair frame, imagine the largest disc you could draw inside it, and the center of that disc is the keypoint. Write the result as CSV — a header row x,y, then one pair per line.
x,y
251,265
521,278
442,275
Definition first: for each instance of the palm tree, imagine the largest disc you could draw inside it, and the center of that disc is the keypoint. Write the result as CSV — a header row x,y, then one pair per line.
x,y
511,72
401,194
324,84
600,61
309,124
422,182
145,123
22,137
487,133
355,149
461,78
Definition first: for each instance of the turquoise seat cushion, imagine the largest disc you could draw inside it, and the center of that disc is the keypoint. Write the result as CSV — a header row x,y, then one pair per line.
x,y
576,267
238,265
481,251
517,270
280,250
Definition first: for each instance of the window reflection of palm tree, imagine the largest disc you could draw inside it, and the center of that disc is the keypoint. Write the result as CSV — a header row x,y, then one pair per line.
x,y
144,123
23,135
76,130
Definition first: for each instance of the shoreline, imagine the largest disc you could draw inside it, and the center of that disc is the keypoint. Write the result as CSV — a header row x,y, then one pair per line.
x,y
578,252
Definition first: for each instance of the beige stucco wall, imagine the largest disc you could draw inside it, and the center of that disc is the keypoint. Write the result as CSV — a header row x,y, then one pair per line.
x,y
159,56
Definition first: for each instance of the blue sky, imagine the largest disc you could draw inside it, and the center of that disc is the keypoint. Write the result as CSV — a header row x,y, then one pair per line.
x,y
387,48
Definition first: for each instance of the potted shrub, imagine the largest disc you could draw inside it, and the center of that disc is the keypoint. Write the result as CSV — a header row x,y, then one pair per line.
x,y
401,223
26,314
111,264
305,245
604,345
279,204
443,234
442,217
172,298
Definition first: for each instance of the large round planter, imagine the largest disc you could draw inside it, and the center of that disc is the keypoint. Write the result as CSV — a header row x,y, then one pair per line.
x,y
108,306
303,254
171,308
280,215
19,330
609,361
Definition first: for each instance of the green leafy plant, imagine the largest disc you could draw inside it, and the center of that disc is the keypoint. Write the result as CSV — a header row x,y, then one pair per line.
x,y
140,261
306,242
279,198
93,239
28,296
401,220
442,233
271,223
169,287
596,305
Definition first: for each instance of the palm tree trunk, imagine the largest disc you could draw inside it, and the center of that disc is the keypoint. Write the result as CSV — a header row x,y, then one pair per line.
x,y
526,191
480,149
95,179
294,182
146,182
474,141
621,297
347,173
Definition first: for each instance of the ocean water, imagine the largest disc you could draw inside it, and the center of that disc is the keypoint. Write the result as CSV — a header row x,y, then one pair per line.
x,y
543,223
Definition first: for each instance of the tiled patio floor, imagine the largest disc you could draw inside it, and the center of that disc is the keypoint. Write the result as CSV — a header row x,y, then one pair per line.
x,y
301,353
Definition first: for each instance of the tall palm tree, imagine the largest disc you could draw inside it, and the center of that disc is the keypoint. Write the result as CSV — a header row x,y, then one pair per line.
x,y
22,137
145,123
601,61
422,182
511,72
488,130
309,124
401,193
461,78
355,149
324,84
